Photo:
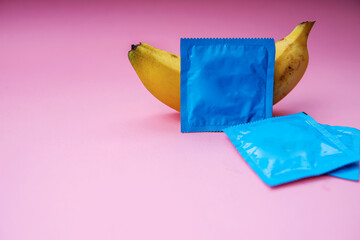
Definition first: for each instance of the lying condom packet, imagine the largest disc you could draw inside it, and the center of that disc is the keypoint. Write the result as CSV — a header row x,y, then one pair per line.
x,y
288,148
351,138
225,82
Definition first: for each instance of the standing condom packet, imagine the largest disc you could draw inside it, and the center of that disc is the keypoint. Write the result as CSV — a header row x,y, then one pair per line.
x,y
288,148
225,82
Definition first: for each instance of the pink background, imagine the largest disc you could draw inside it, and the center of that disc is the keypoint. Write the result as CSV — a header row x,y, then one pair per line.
x,y
87,153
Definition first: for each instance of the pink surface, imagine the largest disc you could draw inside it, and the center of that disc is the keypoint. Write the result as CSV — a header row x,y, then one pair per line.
x,y
87,153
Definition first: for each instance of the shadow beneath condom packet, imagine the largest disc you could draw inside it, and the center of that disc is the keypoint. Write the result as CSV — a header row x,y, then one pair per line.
x,y
283,112
161,122
172,117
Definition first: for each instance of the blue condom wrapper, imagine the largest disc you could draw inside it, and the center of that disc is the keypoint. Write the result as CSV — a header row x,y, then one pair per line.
x,y
225,82
351,138
288,148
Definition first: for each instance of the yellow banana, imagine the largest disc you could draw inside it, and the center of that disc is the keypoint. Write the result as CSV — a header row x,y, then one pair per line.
x,y
291,60
159,70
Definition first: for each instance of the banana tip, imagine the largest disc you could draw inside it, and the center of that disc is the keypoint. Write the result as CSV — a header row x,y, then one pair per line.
x,y
134,46
312,22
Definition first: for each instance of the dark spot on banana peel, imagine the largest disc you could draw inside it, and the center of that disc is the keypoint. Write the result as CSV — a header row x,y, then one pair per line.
x,y
289,70
173,55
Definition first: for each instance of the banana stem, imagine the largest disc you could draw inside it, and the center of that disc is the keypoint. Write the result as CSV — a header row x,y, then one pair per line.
x,y
302,30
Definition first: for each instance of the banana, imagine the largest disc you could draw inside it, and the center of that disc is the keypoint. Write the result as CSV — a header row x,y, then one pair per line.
x,y
291,60
159,70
